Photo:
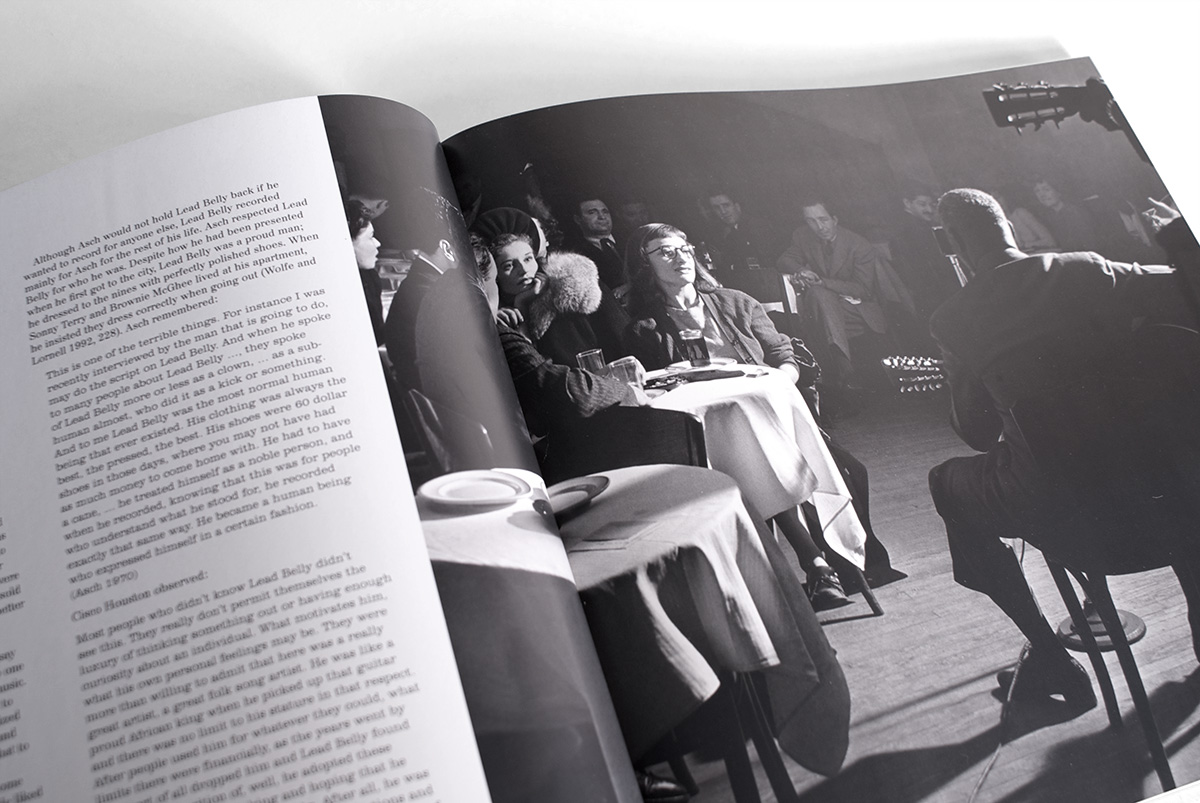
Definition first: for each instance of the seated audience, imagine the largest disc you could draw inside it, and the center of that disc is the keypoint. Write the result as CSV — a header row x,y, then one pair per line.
x,y
739,242
554,396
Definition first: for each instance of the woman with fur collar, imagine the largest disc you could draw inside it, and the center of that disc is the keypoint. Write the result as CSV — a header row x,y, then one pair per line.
x,y
562,307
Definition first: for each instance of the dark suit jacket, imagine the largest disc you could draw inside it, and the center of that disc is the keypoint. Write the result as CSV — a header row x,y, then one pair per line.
x,y
731,248
610,264
400,329
460,364
854,268
1025,327
922,266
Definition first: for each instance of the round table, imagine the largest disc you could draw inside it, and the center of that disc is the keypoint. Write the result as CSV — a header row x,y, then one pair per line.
x,y
759,430
538,702
679,583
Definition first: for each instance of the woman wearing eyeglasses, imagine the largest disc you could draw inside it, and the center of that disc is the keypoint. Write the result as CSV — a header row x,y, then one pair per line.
x,y
669,293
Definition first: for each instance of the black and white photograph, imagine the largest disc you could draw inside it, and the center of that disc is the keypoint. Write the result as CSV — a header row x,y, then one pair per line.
x,y
791,268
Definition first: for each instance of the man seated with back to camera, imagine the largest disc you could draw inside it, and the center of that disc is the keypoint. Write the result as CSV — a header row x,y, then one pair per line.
x,y
436,256
1019,328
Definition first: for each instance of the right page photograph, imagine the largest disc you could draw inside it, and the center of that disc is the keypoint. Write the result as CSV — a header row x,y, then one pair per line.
x,y
867,417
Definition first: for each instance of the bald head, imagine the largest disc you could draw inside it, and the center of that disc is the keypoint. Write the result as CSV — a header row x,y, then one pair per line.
x,y
977,223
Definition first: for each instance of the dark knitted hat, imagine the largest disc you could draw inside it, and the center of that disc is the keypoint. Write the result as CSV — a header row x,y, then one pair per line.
x,y
507,220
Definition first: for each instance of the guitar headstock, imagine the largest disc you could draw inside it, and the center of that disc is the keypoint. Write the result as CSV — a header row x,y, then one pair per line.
x,y
1019,105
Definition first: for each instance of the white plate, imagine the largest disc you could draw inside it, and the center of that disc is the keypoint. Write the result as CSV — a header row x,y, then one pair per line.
x,y
570,495
474,489
684,365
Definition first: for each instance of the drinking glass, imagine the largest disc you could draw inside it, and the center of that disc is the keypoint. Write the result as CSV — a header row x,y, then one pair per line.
x,y
625,369
695,350
592,361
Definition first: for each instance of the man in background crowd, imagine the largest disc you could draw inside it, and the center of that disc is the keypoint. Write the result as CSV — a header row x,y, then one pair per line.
x,y
631,212
1070,226
596,242
739,242
845,287
917,257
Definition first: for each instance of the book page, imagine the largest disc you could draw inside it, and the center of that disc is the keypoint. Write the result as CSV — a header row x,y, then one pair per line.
x,y
213,583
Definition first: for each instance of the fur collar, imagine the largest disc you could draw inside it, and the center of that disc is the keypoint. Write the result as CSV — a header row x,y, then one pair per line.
x,y
572,285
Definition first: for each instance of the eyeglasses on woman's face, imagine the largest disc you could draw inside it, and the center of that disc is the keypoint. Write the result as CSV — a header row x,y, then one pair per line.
x,y
671,252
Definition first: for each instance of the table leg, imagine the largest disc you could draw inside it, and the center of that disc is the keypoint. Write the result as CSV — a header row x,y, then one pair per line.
x,y
733,747
755,713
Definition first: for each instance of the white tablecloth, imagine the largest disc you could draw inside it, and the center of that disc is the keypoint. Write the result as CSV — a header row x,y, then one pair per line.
x,y
758,430
539,704
679,583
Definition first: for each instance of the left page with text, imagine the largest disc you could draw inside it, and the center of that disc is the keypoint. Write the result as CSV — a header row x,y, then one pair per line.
x,y
213,581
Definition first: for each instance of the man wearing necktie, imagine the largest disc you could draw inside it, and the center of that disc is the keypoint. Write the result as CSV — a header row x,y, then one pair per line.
x,y
596,242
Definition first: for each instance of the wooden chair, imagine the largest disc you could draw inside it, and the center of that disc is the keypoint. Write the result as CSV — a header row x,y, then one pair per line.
x,y
736,713
766,285
1123,446
845,569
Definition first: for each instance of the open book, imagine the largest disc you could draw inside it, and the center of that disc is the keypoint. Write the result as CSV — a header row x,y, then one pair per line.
x,y
216,581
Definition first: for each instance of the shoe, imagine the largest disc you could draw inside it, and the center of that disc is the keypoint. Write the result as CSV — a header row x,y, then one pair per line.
x,y
1046,674
882,575
825,590
656,789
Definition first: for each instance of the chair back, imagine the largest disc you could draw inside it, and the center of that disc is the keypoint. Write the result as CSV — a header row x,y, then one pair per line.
x,y
766,285
451,440
626,436
1121,447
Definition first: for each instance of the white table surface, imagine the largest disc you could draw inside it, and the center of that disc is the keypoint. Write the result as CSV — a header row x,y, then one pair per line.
x,y
758,430
679,583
